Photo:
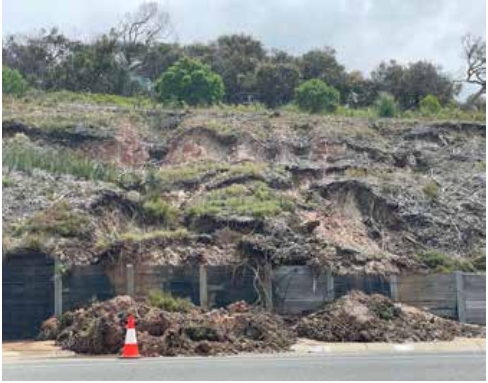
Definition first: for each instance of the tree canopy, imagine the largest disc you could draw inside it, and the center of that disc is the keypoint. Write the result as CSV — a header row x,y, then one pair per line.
x,y
192,82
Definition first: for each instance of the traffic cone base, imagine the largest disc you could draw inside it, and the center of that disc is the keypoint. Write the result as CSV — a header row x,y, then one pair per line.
x,y
131,349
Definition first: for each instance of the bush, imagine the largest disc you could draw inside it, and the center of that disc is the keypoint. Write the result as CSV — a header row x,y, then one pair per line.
x,y
165,301
430,105
386,105
13,82
316,96
192,82
158,210
443,263
431,190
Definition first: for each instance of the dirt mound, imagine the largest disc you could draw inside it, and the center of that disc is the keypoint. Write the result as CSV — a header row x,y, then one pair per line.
x,y
100,329
358,317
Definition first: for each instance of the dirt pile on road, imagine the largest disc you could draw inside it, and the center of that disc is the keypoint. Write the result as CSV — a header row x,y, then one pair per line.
x,y
357,317
100,329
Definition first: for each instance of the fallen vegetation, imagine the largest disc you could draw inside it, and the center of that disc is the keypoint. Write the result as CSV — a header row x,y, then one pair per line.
x,y
357,317
171,326
100,329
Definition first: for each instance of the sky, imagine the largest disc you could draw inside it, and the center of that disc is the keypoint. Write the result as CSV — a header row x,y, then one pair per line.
x,y
363,32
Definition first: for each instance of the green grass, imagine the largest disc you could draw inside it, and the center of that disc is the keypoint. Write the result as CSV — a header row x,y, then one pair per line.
x,y
444,114
58,220
20,153
52,98
190,172
168,235
255,200
444,263
160,211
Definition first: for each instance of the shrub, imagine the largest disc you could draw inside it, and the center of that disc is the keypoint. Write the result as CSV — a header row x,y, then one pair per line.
x,y
479,262
158,210
192,82
165,301
12,82
430,105
431,190
443,263
316,96
386,105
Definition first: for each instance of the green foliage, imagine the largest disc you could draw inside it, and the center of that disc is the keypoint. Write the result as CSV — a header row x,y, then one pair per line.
x,y
95,98
315,96
254,200
430,104
60,219
411,83
165,301
385,311
443,263
386,105
431,190
479,262
12,82
322,64
189,173
158,210
6,182
276,83
192,82
21,154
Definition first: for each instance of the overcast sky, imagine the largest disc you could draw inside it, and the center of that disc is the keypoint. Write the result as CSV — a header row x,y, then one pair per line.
x,y
364,32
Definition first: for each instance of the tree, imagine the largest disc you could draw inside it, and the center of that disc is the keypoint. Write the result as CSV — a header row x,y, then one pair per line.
x,y
36,57
322,64
190,81
138,31
409,84
12,82
360,91
315,96
474,51
276,83
94,68
149,24
236,58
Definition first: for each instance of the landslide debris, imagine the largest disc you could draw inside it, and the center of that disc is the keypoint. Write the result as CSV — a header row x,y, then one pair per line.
x,y
100,329
358,317
355,317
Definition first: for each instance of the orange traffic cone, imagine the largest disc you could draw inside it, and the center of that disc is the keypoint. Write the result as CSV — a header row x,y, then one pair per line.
x,y
131,349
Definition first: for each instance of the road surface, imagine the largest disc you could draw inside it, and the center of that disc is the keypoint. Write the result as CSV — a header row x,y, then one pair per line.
x,y
415,366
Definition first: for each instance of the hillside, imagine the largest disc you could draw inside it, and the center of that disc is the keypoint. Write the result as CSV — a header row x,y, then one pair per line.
x,y
87,180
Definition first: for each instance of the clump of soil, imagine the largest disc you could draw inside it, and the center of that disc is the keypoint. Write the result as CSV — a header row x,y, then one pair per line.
x,y
100,329
357,317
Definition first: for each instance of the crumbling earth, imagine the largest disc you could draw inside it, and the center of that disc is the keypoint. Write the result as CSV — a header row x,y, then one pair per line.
x,y
357,317
100,329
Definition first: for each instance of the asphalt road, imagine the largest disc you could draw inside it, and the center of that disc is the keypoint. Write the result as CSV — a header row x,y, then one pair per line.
x,y
415,366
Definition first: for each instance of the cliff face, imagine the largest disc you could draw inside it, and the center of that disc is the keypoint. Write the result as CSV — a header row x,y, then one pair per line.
x,y
226,186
